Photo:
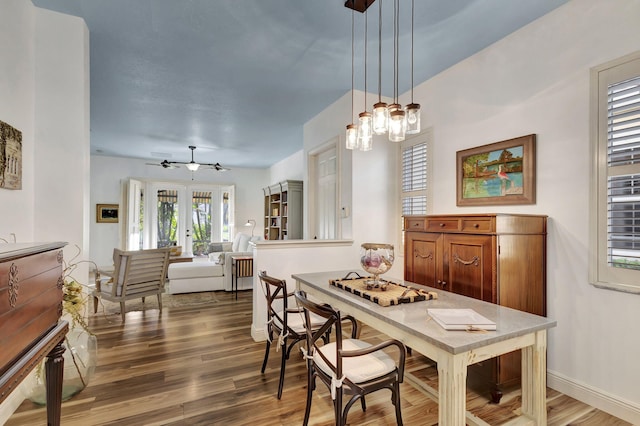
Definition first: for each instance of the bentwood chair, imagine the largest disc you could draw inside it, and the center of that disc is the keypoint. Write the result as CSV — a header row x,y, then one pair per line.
x,y
285,323
136,274
349,367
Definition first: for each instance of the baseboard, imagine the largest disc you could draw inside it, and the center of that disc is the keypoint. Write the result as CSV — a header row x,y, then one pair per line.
x,y
258,334
625,410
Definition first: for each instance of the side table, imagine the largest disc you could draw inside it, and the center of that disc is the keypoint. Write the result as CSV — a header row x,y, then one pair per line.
x,y
241,267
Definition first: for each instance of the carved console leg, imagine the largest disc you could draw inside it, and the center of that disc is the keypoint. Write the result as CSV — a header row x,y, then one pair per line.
x,y
54,370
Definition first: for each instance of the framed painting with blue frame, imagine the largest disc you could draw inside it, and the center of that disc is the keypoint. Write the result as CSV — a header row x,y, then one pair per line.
x,y
500,173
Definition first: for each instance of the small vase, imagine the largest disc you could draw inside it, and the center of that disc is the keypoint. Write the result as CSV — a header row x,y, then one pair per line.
x,y
79,365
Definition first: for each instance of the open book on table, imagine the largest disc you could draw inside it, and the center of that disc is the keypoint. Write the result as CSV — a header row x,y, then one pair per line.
x,y
461,319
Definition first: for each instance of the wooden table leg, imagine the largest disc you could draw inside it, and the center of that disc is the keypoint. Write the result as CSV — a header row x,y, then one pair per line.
x,y
452,389
54,371
534,379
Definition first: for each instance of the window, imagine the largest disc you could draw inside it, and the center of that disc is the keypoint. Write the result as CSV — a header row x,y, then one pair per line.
x,y
415,170
171,213
615,239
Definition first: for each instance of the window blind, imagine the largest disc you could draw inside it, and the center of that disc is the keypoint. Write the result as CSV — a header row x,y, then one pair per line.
x,y
414,179
623,182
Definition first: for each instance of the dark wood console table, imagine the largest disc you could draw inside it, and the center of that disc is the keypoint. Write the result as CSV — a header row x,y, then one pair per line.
x,y
30,308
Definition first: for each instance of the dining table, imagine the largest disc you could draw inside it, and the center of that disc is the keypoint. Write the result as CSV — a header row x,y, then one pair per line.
x,y
452,350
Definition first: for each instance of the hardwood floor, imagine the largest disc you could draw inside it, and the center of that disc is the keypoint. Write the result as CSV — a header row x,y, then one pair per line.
x,y
197,365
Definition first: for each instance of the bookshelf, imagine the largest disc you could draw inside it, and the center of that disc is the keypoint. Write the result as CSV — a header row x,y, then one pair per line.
x,y
283,211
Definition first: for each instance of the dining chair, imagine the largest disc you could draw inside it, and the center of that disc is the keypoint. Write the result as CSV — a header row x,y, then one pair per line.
x,y
348,367
136,274
284,322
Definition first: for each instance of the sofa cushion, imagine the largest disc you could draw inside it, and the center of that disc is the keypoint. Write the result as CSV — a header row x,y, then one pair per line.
x,y
194,270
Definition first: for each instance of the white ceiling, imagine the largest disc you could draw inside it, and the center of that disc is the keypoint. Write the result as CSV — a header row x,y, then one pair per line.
x,y
239,78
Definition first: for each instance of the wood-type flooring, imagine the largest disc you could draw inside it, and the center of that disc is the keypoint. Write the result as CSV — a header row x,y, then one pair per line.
x,y
198,365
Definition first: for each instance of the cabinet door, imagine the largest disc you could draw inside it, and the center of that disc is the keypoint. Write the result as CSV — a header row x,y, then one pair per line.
x,y
423,257
468,266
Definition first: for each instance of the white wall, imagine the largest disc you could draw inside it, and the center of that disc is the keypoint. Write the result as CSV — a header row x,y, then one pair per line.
x,y
61,163
107,174
17,49
533,81
44,86
290,168
537,81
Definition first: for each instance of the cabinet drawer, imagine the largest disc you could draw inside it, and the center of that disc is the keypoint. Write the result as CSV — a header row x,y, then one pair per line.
x,y
439,224
480,224
414,224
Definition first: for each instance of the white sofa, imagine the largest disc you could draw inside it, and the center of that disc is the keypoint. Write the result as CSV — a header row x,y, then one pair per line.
x,y
211,273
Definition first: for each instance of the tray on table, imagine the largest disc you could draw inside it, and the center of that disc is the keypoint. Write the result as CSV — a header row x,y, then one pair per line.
x,y
393,295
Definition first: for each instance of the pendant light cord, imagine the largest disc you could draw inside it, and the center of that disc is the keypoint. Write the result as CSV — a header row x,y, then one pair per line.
x,y
380,51
412,19
366,24
396,8
352,51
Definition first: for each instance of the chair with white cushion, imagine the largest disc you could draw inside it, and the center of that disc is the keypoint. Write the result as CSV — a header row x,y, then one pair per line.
x,y
136,274
348,366
284,323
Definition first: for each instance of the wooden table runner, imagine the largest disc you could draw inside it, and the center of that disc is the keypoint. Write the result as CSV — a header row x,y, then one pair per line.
x,y
393,295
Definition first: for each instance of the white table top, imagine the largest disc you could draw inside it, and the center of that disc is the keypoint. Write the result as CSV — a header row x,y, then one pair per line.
x,y
412,317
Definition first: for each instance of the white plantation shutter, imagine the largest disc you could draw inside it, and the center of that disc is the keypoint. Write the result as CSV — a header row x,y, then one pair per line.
x,y
414,175
616,227
623,160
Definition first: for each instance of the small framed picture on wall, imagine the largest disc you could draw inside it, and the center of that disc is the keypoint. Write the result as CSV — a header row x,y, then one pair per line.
x,y
107,213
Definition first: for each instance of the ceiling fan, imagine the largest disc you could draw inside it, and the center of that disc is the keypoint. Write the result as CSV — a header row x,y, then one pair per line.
x,y
191,165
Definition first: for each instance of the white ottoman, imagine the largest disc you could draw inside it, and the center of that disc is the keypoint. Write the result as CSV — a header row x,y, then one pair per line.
x,y
191,277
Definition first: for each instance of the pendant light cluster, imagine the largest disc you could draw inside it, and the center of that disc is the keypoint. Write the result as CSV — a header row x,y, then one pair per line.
x,y
393,119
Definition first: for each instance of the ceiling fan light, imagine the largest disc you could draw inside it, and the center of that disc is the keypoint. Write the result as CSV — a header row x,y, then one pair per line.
x,y
192,166
413,118
352,136
397,125
380,118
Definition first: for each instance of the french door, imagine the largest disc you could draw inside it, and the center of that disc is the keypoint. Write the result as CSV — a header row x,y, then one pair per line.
x,y
163,214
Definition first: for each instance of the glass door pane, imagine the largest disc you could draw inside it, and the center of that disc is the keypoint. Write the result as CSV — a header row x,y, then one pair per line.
x,y
168,218
201,222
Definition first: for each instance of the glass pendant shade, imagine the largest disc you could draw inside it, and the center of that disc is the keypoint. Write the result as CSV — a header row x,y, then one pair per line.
x,y
352,136
397,125
413,118
380,118
192,166
365,131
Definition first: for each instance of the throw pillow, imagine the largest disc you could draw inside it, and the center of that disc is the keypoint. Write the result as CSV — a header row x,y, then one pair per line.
x,y
215,247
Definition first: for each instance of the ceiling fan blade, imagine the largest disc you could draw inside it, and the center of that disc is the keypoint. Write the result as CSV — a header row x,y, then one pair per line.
x,y
165,164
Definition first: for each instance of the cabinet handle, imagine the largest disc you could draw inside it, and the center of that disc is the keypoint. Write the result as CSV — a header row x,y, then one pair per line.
x,y
475,225
442,225
423,256
474,261
444,284
415,225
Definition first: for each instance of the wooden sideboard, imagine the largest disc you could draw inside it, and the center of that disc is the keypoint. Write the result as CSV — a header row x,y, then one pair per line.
x,y
498,258
30,328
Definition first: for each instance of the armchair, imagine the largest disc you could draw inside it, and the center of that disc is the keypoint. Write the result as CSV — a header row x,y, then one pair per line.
x,y
136,274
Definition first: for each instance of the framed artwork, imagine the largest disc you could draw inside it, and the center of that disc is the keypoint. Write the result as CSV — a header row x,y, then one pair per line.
x,y
10,157
107,213
500,173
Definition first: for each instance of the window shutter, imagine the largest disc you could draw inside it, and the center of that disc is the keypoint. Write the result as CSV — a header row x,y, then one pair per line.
x,y
414,179
623,183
